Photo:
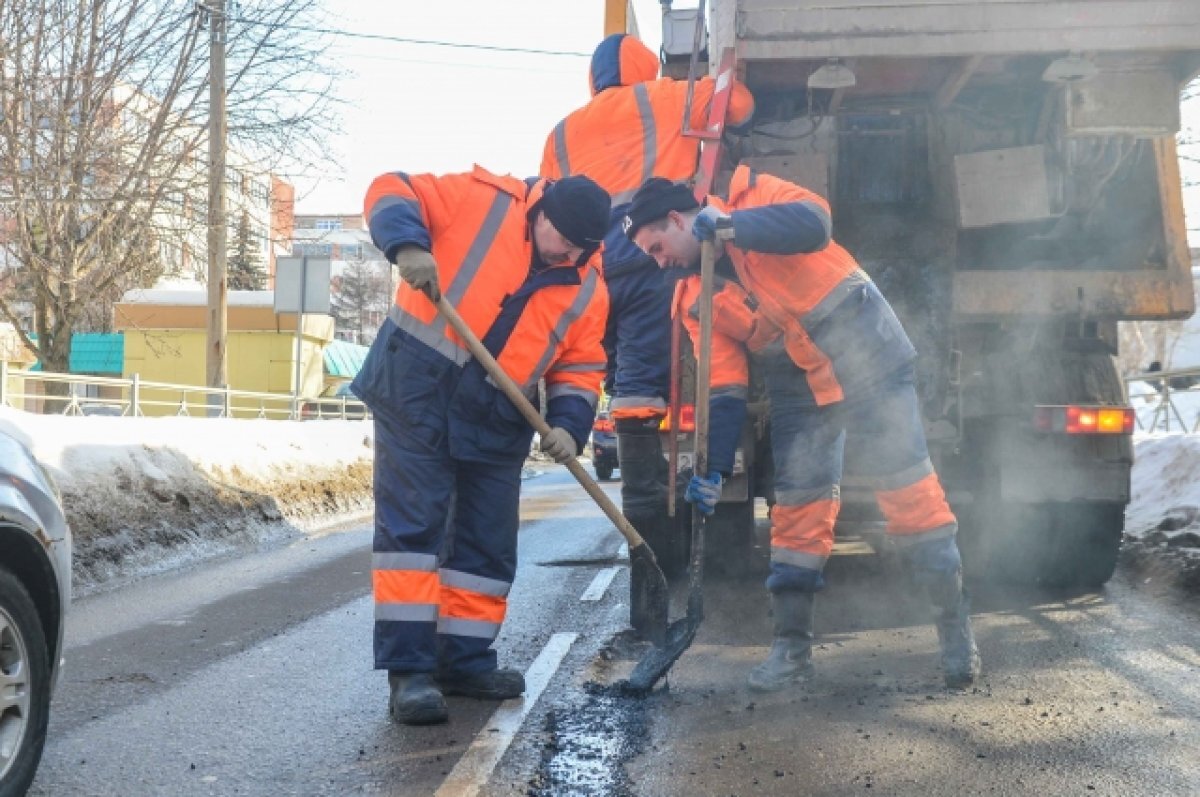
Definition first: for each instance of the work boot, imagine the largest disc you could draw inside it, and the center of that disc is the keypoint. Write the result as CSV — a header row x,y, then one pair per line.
x,y
936,565
415,699
790,659
498,684
960,657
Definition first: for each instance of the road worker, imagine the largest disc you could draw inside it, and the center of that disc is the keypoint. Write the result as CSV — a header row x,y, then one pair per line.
x,y
630,130
519,261
838,369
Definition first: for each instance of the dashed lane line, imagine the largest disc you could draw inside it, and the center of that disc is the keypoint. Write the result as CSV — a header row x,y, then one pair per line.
x,y
599,585
472,771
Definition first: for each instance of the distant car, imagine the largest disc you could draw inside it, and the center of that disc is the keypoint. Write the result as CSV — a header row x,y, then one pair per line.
x,y
604,446
35,591
331,404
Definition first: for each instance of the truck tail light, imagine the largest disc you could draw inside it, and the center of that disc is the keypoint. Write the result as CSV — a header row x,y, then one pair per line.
x,y
1076,419
687,419
603,425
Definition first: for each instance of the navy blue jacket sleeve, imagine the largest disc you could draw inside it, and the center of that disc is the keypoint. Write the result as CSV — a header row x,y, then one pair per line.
x,y
573,413
785,229
396,222
727,413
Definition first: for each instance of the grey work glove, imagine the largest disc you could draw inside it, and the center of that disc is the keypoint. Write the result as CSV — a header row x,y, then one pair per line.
x,y
559,444
419,269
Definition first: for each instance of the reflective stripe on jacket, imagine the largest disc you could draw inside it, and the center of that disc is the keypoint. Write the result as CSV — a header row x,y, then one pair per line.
x,y
631,130
545,324
810,292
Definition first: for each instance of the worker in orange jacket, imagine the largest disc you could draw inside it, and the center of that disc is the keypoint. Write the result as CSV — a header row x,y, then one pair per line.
x,y
519,261
839,373
630,130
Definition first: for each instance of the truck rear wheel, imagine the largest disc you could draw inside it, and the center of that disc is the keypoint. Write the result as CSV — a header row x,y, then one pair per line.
x,y
1051,544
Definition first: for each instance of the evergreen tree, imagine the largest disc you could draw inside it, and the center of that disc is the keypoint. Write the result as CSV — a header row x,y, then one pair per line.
x,y
246,272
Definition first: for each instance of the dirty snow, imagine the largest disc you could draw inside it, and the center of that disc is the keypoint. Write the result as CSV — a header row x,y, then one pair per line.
x,y
1166,488
149,494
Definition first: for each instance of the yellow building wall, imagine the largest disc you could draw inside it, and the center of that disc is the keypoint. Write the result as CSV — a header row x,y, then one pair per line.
x,y
259,360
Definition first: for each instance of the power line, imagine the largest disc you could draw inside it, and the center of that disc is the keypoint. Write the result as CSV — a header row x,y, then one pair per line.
x,y
403,40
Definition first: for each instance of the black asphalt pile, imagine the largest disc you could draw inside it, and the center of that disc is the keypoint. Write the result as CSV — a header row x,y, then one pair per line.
x,y
588,744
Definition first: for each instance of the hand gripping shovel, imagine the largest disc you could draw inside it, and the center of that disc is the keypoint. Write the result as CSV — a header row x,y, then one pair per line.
x,y
681,633
653,598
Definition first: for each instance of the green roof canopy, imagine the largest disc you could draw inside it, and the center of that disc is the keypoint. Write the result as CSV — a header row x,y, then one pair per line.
x,y
101,353
343,359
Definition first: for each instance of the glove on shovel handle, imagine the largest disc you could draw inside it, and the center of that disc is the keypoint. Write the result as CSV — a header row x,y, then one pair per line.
x,y
539,424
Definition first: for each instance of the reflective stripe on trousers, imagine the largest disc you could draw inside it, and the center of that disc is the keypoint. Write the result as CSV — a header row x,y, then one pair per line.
x,y
444,554
880,439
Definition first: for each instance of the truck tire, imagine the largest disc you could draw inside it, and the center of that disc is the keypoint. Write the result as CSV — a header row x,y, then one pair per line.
x,y
24,656
1067,545
604,472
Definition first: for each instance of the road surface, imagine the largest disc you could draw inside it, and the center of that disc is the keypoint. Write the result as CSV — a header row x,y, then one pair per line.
x,y
253,677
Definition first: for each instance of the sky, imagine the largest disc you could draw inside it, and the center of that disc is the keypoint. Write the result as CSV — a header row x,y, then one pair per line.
x,y
424,108
428,108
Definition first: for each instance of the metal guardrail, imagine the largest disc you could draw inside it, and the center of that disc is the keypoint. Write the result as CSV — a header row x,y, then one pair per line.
x,y
136,397
1177,408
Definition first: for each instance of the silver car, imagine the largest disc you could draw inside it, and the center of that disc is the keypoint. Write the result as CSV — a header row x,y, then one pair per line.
x,y
35,591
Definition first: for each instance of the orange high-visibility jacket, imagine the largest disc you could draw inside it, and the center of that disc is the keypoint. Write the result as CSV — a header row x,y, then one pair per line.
x,y
476,226
729,377
794,292
631,130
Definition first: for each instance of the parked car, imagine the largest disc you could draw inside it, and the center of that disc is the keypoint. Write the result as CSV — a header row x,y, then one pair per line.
x,y
35,591
336,402
604,446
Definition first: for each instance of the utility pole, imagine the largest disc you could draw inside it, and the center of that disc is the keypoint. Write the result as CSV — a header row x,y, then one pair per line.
x,y
218,321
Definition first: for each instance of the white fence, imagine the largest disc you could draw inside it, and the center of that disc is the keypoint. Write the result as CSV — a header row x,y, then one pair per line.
x,y
98,395
1166,401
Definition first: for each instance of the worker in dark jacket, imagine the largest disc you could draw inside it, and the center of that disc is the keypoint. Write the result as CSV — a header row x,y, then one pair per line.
x,y
629,131
519,261
839,373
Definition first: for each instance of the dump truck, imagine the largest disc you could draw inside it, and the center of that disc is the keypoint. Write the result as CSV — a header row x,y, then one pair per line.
x,y
1006,171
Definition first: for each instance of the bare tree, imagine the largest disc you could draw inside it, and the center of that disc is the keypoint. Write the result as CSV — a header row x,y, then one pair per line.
x,y
1188,139
103,109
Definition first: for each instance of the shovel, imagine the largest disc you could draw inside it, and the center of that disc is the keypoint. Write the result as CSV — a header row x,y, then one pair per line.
x,y
653,598
681,632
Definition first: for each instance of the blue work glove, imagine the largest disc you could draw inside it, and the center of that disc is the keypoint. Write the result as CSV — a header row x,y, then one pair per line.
x,y
704,493
708,221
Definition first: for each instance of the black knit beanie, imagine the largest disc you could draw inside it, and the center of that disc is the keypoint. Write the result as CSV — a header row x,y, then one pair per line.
x,y
578,208
655,199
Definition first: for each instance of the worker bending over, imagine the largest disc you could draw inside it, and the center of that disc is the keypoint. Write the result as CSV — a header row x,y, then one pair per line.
x,y
839,372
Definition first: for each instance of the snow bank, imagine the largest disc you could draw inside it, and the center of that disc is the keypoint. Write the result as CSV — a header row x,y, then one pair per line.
x,y
1165,502
146,494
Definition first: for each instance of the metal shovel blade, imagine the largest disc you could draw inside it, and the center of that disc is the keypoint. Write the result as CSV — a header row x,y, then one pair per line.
x,y
649,597
655,664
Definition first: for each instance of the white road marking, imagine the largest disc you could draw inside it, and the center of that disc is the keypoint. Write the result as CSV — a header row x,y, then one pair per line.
x,y
472,771
599,585
623,551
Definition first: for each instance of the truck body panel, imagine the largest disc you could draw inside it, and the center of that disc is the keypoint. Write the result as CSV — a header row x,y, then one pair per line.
x,y
1006,171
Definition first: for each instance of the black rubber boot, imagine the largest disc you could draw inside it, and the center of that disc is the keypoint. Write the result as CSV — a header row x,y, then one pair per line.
x,y
961,665
790,659
416,700
498,684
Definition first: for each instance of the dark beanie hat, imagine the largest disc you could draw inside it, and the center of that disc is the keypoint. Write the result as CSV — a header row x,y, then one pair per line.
x,y
578,208
655,199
